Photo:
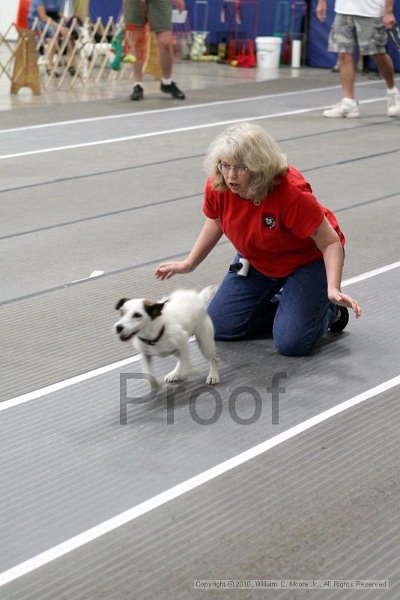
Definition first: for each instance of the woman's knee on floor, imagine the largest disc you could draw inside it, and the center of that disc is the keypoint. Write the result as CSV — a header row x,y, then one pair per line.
x,y
290,343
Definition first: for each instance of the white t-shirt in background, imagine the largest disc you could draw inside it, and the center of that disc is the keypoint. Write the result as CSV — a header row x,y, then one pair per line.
x,y
360,8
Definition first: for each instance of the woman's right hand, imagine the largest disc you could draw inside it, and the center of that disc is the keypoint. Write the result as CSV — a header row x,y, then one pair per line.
x,y
166,270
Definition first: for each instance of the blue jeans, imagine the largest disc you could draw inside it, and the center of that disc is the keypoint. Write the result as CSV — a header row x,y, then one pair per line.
x,y
242,308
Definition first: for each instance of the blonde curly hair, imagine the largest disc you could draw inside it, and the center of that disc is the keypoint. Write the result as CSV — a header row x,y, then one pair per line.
x,y
252,146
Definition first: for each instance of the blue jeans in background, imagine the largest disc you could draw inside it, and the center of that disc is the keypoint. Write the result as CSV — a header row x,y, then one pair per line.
x,y
242,308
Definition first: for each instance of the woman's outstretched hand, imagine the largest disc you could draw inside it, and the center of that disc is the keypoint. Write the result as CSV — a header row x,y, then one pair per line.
x,y
166,270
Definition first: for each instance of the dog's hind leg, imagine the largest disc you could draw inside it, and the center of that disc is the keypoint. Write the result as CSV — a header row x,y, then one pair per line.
x,y
204,334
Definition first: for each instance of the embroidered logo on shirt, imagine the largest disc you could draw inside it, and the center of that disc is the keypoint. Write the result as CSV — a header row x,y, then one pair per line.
x,y
269,221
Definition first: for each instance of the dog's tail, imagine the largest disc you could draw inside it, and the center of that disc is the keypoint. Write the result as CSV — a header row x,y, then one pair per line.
x,y
207,294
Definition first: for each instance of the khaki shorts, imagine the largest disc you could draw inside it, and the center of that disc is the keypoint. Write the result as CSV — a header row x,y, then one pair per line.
x,y
157,12
349,32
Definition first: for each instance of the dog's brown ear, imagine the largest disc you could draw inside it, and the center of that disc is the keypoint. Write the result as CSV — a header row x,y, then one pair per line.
x,y
153,309
121,303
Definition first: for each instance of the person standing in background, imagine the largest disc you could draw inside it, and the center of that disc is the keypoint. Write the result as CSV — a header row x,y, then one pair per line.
x,y
363,23
159,14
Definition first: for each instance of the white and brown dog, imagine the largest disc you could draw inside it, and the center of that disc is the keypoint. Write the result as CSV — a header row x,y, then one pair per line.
x,y
164,328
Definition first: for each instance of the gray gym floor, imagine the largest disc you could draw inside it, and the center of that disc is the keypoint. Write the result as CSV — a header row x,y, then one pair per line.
x,y
285,472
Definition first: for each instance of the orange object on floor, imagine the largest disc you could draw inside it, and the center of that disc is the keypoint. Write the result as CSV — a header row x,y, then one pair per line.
x,y
142,35
242,53
22,14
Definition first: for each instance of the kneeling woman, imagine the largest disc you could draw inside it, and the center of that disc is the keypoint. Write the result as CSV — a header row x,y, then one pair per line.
x,y
291,243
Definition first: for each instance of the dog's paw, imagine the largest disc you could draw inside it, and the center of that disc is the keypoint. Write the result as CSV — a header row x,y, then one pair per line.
x,y
212,379
174,376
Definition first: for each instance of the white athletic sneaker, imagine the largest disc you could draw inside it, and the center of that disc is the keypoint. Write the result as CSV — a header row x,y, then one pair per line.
x,y
346,108
393,105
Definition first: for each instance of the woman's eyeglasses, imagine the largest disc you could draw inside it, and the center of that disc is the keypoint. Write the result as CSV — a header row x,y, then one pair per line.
x,y
224,168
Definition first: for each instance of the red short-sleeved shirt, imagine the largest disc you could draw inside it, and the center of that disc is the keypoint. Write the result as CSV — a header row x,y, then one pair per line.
x,y
275,236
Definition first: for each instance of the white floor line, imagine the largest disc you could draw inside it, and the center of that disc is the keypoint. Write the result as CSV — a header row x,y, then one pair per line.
x,y
137,511
173,131
66,383
205,105
369,274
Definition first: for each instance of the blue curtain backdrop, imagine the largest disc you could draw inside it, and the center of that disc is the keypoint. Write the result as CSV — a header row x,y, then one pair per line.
x,y
105,9
258,18
317,51
275,17
197,12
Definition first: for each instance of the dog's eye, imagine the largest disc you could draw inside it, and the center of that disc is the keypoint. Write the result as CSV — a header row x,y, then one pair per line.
x,y
137,315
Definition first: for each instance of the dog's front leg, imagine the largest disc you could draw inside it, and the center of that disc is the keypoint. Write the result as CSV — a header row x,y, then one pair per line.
x,y
147,369
183,366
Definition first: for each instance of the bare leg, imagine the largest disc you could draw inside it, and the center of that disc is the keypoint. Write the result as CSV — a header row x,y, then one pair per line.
x,y
385,68
164,39
347,73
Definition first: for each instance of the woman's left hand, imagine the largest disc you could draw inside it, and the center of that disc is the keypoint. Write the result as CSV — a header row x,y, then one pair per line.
x,y
337,297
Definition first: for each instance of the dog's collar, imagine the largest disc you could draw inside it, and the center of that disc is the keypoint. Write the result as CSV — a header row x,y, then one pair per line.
x,y
152,342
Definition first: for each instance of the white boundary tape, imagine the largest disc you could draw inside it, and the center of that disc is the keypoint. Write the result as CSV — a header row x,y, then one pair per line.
x,y
61,385
176,491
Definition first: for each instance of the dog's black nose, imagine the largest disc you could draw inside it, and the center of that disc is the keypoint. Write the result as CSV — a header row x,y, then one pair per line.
x,y
119,328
